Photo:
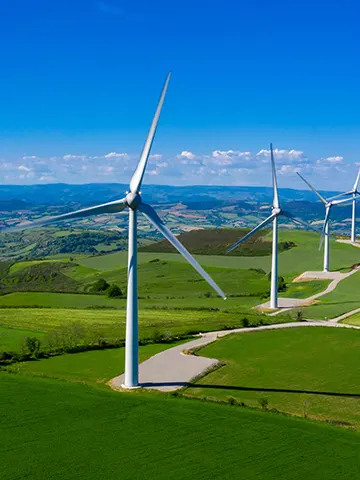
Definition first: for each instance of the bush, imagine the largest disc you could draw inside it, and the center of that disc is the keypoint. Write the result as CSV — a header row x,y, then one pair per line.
x,y
114,291
299,315
245,322
31,346
264,403
281,282
99,286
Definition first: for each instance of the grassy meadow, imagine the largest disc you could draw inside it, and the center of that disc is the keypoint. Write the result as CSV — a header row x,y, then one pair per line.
x,y
342,300
92,368
63,430
301,371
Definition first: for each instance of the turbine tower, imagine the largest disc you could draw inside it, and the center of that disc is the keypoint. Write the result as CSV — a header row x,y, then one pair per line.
x,y
325,232
135,204
275,214
354,192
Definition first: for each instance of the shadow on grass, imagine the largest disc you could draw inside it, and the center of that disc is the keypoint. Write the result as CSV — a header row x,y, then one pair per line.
x,y
246,389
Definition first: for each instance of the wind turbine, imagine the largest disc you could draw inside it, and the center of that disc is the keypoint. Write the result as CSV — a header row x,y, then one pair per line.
x,y
275,214
135,203
325,232
353,192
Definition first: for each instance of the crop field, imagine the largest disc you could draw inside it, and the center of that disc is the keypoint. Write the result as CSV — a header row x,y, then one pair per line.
x,y
302,371
78,431
111,323
95,367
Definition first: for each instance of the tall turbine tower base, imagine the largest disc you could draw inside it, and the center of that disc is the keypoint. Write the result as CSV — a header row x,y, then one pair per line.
x,y
353,221
131,340
326,249
274,267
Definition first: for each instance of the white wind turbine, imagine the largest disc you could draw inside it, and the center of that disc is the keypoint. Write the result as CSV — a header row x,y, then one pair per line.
x,y
134,202
325,232
354,192
276,212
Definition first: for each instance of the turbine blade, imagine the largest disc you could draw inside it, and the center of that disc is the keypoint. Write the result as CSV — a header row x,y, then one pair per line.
x,y
313,189
137,178
298,221
254,230
356,184
275,187
111,207
154,218
326,221
339,202
340,195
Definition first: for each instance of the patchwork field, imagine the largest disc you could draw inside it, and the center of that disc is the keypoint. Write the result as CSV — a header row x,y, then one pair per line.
x,y
302,371
83,432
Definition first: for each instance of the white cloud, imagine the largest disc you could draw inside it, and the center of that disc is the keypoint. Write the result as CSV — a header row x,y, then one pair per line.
x,y
115,155
337,159
74,157
156,156
218,166
24,168
188,155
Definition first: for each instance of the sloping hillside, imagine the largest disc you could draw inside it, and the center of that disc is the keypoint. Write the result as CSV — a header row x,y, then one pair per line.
x,y
216,241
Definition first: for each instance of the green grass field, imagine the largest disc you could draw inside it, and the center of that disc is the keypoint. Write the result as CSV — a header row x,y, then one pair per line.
x,y
353,320
111,323
343,299
60,430
313,370
11,338
93,368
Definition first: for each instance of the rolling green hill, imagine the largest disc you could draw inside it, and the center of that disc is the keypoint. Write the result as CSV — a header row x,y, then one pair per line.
x,y
305,256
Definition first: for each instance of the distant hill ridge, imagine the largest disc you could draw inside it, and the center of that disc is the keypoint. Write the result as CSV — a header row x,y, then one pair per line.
x,y
85,194
216,241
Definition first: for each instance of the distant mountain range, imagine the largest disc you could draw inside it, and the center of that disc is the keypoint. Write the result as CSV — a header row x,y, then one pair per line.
x,y
88,194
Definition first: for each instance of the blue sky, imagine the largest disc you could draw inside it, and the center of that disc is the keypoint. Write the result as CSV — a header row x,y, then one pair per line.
x,y
80,81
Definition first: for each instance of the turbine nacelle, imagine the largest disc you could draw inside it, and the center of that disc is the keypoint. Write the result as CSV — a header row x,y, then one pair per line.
x,y
133,200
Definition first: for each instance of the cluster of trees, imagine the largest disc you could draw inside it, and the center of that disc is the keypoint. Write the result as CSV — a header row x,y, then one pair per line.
x,y
84,242
102,286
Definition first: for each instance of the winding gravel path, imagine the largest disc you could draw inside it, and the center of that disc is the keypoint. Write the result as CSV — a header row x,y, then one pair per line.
x,y
286,304
173,369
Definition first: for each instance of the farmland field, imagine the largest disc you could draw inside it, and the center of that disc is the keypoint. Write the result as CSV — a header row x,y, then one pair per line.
x,y
111,323
79,431
312,371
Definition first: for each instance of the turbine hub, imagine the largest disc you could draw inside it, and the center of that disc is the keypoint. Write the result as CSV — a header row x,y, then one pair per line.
x,y
133,200
276,211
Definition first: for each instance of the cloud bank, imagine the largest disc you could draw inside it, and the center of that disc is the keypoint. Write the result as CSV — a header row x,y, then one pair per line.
x,y
222,167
